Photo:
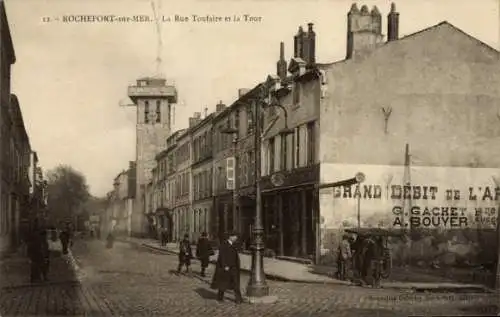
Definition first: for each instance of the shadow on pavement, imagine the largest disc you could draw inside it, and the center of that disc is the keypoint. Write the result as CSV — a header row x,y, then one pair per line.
x,y
61,295
206,294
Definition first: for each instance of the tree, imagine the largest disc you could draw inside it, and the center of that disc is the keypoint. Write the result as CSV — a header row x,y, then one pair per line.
x,y
67,193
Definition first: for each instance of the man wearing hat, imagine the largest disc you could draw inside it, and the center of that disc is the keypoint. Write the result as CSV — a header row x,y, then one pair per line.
x,y
227,270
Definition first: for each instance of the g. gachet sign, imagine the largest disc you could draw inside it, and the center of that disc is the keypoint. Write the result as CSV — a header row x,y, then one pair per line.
x,y
429,197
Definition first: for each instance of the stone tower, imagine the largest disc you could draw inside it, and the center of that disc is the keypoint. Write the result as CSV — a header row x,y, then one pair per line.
x,y
153,98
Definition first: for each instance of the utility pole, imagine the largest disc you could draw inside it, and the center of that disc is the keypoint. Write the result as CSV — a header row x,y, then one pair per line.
x,y
407,204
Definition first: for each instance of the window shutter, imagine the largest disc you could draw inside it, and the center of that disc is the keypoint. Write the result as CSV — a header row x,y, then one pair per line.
x,y
230,173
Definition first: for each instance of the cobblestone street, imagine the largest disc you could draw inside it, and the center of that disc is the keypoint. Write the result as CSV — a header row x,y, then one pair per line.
x,y
134,281
131,281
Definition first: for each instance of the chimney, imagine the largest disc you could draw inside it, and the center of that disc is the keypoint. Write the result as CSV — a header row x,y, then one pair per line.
x,y
195,119
206,112
393,24
192,122
298,42
219,107
281,66
364,30
311,38
242,92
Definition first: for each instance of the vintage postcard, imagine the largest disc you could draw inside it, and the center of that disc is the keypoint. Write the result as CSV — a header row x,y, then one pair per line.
x,y
249,158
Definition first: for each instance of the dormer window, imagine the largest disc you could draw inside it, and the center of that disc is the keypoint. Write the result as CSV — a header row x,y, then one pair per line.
x,y
296,93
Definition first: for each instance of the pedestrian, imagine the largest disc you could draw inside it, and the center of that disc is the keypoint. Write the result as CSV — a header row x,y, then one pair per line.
x,y
64,237
45,255
203,252
344,258
227,270
35,253
163,236
110,239
185,254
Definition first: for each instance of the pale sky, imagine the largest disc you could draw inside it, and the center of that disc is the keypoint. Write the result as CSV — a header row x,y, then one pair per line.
x,y
70,77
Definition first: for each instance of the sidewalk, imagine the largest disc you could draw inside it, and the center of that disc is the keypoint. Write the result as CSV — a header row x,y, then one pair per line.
x,y
296,272
15,271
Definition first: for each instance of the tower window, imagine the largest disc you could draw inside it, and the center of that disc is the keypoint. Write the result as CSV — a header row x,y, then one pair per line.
x,y
146,111
158,111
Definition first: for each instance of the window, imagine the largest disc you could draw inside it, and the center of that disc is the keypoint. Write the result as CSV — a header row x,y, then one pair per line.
x,y
296,93
146,111
311,143
202,185
284,156
158,111
250,121
237,120
271,155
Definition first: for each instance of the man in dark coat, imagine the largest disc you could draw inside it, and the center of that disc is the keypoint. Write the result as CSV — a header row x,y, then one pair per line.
x,y
185,254
38,252
227,270
45,253
203,252
64,237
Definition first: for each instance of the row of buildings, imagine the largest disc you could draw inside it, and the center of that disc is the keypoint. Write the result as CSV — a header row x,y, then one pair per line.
x,y
435,92
23,195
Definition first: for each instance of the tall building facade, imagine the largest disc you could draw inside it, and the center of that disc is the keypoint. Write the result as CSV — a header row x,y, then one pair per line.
x,y
402,111
201,169
153,98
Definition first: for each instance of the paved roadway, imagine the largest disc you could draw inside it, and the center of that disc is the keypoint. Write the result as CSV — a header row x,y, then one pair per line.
x,y
131,281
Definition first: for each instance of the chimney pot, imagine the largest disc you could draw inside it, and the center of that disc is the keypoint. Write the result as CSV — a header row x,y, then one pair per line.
x,y
393,24
220,106
310,27
242,92
354,9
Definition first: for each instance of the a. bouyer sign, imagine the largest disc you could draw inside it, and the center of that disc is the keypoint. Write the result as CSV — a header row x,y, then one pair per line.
x,y
429,197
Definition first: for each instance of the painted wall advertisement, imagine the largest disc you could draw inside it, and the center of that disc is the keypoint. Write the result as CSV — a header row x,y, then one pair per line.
x,y
417,197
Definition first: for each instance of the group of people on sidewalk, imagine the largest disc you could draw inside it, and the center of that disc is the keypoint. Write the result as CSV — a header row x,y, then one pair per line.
x,y
38,249
227,269
361,257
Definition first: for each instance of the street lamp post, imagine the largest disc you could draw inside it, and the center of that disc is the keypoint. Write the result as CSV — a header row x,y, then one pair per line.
x,y
257,287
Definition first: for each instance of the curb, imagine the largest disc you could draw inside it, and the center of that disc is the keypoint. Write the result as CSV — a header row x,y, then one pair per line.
x,y
469,288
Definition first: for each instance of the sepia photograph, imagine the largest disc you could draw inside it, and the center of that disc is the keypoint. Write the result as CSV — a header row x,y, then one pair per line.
x,y
249,158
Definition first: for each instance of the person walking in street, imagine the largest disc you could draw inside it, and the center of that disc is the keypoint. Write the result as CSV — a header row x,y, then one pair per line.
x,y
163,236
344,258
64,237
185,254
203,252
227,270
110,239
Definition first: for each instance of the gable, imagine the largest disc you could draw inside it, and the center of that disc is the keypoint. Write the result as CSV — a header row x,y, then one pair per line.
x,y
441,42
